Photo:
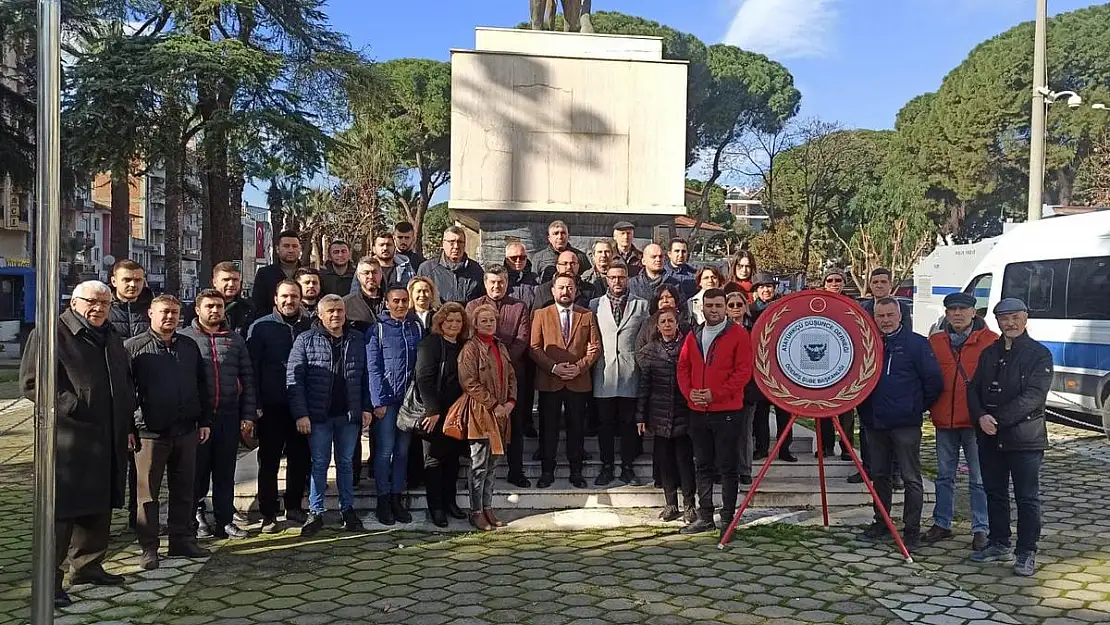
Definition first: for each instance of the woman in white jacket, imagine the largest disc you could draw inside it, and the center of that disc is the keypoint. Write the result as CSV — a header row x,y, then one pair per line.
x,y
708,277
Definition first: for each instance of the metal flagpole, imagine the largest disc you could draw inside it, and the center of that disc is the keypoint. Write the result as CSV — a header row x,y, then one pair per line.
x,y
48,225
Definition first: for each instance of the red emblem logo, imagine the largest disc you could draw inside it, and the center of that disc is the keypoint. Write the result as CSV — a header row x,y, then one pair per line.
x,y
816,354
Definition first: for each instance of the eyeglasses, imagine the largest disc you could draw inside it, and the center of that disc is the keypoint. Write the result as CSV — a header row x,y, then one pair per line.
x,y
103,303
517,259
834,280
736,306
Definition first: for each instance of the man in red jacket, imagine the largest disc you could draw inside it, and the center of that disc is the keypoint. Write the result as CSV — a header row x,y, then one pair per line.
x,y
714,366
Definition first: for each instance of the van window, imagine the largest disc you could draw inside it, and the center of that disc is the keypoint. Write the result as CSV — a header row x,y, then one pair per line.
x,y
1089,288
1041,284
980,287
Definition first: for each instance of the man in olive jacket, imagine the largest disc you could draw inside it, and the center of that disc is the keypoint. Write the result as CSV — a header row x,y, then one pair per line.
x,y
1006,401
95,403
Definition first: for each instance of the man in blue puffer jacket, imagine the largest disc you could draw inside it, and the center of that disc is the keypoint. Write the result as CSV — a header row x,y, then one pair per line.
x,y
390,360
911,381
329,398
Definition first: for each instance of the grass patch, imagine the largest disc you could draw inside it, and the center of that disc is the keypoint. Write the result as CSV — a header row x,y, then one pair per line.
x,y
778,532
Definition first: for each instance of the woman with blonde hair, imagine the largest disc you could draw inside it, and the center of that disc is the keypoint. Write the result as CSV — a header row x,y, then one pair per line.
x,y
436,387
487,378
425,300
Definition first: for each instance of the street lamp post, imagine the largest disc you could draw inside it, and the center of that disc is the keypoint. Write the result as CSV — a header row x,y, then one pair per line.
x,y
1037,126
48,226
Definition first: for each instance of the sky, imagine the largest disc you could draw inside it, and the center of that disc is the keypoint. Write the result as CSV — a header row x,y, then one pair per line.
x,y
855,62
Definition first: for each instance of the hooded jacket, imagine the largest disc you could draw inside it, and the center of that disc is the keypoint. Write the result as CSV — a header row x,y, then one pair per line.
x,y
958,366
460,284
228,370
725,369
269,341
171,385
311,371
1012,386
910,382
130,319
391,358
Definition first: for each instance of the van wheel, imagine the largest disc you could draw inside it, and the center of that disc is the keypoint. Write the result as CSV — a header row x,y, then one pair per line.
x,y
1106,418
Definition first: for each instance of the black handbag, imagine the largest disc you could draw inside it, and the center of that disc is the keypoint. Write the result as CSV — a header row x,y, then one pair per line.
x,y
412,411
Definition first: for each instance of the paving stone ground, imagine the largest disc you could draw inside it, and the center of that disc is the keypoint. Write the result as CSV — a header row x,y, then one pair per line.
x,y
775,573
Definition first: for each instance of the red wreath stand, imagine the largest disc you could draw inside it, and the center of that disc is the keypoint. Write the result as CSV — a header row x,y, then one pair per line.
x,y
822,310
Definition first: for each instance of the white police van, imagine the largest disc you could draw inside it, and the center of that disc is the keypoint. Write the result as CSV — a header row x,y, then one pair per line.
x,y
1060,267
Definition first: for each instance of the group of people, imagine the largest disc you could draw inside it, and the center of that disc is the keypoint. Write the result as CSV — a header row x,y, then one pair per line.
x,y
443,358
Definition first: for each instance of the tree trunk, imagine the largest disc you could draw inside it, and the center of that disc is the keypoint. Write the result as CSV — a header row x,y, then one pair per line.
x,y
175,196
121,215
1065,186
806,239
225,232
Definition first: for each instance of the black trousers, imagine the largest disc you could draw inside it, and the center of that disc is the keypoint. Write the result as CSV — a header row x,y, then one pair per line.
x,y
84,540
617,415
572,405
905,445
441,469
132,495
216,466
714,435
676,468
175,460
762,427
278,436
829,435
521,415
1024,469
357,462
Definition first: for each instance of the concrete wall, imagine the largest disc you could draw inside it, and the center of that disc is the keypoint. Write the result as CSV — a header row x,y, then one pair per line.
x,y
564,123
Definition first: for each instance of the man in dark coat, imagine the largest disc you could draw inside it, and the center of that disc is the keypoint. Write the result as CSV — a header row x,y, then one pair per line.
x,y
231,389
1006,400
515,331
174,417
268,277
644,284
338,273
522,280
558,241
95,403
567,263
364,306
457,277
130,299
238,310
624,234
269,341
404,235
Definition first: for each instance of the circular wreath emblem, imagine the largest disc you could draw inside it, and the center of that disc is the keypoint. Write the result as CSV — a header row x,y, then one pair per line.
x,y
816,354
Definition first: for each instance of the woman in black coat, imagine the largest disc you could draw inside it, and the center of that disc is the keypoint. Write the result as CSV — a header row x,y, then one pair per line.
x,y
437,387
661,410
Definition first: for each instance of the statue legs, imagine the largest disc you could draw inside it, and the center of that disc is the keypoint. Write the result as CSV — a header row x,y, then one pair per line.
x,y
572,12
587,8
538,9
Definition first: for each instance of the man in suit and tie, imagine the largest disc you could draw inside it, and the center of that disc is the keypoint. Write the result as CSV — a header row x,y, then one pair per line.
x,y
565,344
619,316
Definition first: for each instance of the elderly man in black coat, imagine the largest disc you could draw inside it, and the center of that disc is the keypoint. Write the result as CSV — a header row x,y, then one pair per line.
x,y
95,402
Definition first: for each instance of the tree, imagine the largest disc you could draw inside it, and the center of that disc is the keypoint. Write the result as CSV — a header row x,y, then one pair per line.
x,y
1094,178
754,157
747,92
437,220
718,211
413,126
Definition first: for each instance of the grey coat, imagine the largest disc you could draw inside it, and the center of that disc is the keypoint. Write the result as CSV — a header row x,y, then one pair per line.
x,y
616,373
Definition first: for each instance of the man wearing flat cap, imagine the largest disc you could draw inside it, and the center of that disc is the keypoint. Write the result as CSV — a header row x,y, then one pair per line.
x,y
958,343
1006,400
624,233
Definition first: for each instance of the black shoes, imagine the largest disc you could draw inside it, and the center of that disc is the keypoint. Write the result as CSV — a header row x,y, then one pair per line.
x,y
605,477
312,525
296,516
188,550
351,522
759,455
547,479
698,527
746,480
61,599
396,501
845,456
912,540
577,481
204,530
530,431
270,525
875,532
786,456
628,476
855,478
897,484
97,578
437,517
670,513
455,512
384,511
519,481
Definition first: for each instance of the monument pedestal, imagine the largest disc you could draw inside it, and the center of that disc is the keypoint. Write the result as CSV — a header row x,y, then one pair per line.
x,y
586,128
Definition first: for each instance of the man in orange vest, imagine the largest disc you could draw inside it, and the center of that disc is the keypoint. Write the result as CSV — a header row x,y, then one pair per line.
x,y
958,342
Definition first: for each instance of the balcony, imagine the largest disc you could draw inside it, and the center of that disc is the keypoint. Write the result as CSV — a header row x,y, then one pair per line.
x,y
157,224
158,249
191,254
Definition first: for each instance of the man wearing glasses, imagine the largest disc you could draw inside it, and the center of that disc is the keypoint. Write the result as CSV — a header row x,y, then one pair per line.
x,y
364,306
457,278
522,280
567,263
834,283
95,407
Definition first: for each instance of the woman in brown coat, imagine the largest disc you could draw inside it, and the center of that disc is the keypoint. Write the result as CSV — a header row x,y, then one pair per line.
x,y
487,378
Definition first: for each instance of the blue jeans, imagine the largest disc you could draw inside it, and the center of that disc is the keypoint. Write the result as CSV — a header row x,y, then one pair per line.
x,y
1024,468
949,443
340,433
391,453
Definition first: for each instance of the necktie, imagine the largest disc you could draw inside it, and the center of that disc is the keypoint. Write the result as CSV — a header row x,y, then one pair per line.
x,y
618,311
566,325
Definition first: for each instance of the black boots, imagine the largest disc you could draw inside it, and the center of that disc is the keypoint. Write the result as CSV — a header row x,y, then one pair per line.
x,y
384,511
399,512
